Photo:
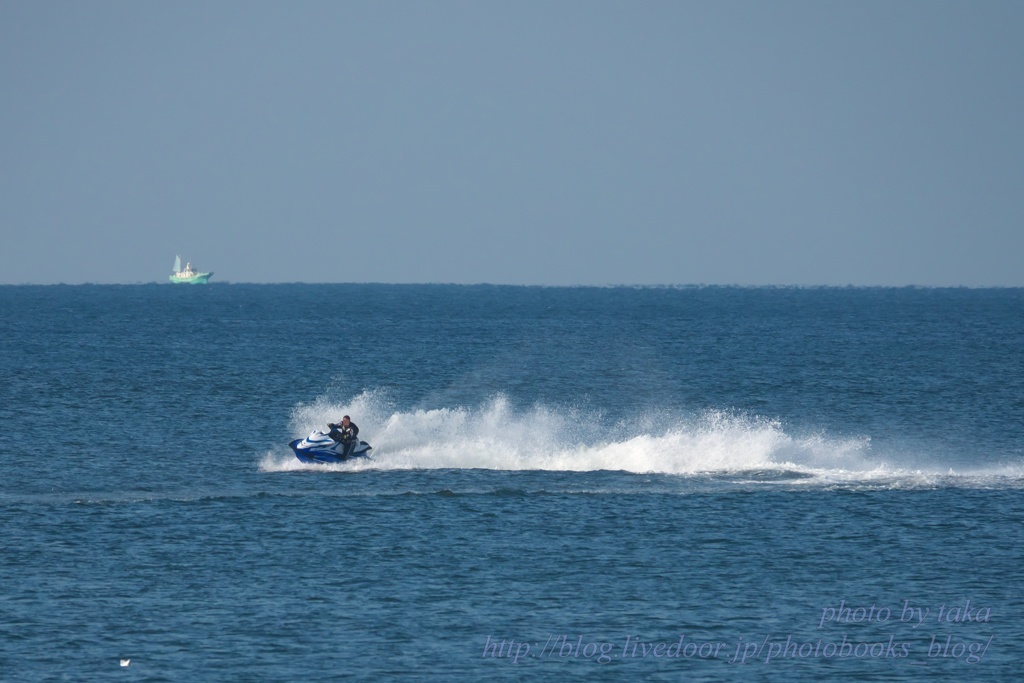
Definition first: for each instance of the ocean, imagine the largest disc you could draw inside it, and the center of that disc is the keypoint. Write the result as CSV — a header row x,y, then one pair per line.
x,y
599,484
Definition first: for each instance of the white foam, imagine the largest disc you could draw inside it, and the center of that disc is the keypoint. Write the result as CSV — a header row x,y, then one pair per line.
x,y
497,436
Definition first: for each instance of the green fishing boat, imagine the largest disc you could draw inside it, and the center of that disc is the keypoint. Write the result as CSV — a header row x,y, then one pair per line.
x,y
187,276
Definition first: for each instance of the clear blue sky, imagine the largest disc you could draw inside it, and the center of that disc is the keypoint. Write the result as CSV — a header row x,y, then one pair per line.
x,y
524,142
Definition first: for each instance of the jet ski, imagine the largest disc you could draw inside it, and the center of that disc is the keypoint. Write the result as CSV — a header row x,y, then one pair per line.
x,y
320,447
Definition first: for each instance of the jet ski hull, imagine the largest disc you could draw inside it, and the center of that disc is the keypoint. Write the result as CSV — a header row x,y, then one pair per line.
x,y
321,448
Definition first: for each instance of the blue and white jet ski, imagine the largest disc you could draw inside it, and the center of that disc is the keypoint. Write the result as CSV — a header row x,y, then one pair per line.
x,y
320,447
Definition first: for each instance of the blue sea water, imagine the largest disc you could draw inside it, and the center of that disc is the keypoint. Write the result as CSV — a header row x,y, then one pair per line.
x,y
596,484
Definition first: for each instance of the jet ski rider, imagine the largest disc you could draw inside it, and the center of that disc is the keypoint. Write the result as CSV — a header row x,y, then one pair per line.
x,y
345,434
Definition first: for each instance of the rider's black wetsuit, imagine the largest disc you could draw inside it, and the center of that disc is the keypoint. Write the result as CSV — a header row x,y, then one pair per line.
x,y
345,435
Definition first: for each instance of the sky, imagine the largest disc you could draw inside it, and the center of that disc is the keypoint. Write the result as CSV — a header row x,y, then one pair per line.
x,y
554,142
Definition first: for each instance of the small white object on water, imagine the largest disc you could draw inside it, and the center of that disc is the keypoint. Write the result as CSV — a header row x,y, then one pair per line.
x,y
125,662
